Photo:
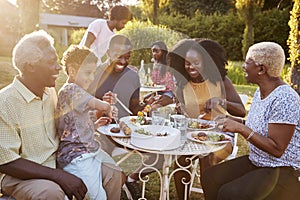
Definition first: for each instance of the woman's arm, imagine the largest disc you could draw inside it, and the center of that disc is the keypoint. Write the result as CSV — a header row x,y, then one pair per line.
x,y
279,135
233,103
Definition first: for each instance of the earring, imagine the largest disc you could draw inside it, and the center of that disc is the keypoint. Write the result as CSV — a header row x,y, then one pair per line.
x,y
259,73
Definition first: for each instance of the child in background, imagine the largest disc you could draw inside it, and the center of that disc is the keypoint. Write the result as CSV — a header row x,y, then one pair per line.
x,y
160,75
79,153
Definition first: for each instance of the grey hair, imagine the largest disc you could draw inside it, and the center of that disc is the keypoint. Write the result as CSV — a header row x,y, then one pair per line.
x,y
269,54
29,49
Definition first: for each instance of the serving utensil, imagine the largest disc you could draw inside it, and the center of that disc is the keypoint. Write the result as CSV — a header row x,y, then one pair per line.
x,y
202,115
120,102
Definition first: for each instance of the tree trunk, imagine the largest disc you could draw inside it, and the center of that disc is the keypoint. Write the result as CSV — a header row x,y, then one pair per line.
x,y
155,8
29,13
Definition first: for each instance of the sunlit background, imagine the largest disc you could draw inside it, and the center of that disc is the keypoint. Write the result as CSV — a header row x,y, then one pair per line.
x,y
126,2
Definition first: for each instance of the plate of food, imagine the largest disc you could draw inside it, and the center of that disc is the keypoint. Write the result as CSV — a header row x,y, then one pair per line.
x,y
200,125
208,137
136,120
115,130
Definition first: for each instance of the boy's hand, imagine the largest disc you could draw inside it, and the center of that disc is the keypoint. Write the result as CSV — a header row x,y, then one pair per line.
x,y
102,121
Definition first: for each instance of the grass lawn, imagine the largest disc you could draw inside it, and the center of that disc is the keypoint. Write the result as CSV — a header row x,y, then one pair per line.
x,y
7,72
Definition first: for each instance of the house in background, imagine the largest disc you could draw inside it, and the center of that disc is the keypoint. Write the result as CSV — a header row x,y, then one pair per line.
x,y
60,26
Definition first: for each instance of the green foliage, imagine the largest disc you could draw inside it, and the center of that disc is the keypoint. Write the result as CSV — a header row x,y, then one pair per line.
x,y
294,45
60,49
246,11
236,74
184,7
209,7
90,8
228,29
143,34
206,7
271,25
76,36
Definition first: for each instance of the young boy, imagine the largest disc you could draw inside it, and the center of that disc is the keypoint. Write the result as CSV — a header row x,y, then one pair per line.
x,y
79,153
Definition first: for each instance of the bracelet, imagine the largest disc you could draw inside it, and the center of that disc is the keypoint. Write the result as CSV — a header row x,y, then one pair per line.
x,y
223,102
250,135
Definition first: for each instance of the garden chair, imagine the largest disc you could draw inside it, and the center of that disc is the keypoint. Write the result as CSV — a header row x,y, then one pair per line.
x,y
196,173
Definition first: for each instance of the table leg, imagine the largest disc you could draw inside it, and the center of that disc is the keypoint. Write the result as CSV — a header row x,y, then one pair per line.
x,y
165,179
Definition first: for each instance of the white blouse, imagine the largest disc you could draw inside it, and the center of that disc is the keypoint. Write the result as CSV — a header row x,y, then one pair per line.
x,y
280,106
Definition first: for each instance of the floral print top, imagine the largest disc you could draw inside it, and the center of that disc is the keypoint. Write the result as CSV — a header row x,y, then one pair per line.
x,y
166,80
74,125
282,105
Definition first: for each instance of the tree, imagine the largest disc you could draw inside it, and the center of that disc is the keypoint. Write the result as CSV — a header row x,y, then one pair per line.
x,y
78,8
279,4
209,7
184,7
89,8
294,45
153,8
29,15
246,10
206,7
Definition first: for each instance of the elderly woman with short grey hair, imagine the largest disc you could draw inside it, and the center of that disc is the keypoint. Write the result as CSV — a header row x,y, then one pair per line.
x,y
272,168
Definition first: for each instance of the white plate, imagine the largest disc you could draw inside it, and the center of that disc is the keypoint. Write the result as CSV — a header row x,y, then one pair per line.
x,y
106,131
190,137
128,121
154,142
154,87
211,123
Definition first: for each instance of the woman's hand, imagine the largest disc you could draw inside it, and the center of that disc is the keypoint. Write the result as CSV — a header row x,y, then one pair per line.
x,y
227,125
212,103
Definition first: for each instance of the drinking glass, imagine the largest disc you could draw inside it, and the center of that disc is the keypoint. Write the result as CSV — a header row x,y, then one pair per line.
x,y
157,118
181,122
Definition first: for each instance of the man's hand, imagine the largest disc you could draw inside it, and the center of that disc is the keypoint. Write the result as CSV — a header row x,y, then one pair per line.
x,y
110,98
71,185
26,169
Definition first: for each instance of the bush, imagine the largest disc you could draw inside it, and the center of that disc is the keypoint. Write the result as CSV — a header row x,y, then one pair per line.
x,y
143,34
273,26
228,29
76,36
236,74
